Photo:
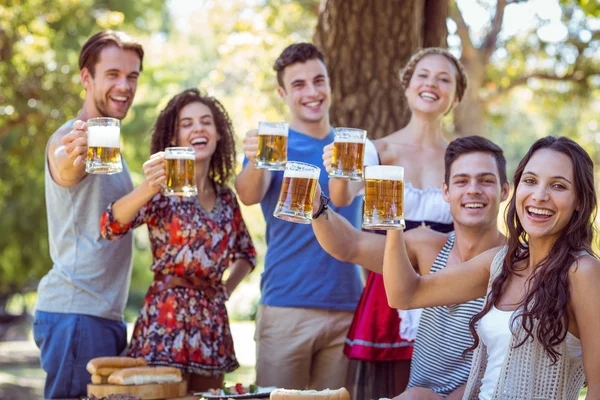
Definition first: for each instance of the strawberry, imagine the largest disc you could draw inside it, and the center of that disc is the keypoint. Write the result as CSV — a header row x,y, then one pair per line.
x,y
239,388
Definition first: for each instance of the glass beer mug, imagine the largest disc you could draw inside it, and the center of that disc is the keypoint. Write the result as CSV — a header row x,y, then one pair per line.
x,y
272,145
104,146
383,206
297,193
180,169
348,154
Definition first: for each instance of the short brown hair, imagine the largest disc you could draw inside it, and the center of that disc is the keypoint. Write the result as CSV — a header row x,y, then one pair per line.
x,y
474,144
90,52
297,52
222,162
461,76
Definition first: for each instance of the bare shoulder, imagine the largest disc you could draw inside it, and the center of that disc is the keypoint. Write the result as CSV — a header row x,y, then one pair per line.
x,y
585,269
487,257
388,149
381,145
422,237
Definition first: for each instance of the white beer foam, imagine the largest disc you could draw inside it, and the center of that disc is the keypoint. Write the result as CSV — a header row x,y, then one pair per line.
x,y
180,156
348,140
384,172
264,129
103,136
312,174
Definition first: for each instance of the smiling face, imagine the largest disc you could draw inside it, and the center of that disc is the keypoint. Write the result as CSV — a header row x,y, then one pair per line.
x,y
114,82
197,129
545,196
432,87
306,91
474,191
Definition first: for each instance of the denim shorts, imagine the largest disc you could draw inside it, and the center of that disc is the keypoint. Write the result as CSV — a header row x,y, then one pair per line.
x,y
67,342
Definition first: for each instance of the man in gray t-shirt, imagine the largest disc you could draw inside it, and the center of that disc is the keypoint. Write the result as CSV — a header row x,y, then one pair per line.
x,y
79,311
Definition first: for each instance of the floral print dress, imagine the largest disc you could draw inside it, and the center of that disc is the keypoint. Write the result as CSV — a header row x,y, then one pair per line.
x,y
182,327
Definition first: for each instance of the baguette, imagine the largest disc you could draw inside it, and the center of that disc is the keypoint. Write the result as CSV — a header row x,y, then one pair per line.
x,y
106,371
143,375
98,379
327,394
114,362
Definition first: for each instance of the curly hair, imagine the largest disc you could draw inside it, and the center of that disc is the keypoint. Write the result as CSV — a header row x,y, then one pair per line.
x,y
461,76
222,162
545,305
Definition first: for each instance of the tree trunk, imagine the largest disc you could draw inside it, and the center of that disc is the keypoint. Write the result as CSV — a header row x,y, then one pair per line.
x,y
469,115
366,43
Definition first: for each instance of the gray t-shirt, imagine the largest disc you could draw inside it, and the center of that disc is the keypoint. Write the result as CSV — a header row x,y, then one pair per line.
x,y
90,275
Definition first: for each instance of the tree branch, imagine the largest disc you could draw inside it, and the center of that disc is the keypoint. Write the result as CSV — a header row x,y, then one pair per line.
x,y
572,77
491,39
469,51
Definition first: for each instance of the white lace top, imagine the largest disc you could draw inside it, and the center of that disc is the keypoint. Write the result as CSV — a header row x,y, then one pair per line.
x,y
525,372
496,335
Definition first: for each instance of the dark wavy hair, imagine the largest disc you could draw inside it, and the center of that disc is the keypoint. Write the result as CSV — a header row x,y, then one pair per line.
x,y
548,294
222,163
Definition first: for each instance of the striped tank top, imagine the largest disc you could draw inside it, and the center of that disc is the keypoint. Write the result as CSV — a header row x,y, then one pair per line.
x,y
442,337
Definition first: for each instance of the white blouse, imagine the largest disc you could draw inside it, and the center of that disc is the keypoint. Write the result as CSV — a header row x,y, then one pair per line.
x,y
495,333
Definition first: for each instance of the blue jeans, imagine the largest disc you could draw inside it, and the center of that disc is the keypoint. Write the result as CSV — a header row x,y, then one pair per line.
x,y
67,342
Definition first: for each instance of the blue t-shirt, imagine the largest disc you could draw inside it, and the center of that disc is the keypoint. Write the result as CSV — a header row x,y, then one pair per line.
x,y
298,272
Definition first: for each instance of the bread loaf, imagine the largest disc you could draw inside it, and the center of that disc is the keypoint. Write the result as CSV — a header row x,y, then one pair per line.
x,y
98,379
106,371
327,394
143,375
114,362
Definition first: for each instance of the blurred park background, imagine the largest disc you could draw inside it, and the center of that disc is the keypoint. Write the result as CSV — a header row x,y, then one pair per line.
x,y
534,69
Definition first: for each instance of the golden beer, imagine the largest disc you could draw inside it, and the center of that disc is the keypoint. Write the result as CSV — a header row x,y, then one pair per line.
x,y
297,193
180,170
383,206
348,154
103,153
272,145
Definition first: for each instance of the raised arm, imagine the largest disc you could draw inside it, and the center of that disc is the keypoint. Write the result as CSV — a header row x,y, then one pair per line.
x,y
252,183
346,243
126,208
405,289
66,154
585,281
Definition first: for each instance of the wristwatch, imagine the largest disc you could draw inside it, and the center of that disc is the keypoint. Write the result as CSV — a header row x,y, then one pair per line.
x,y
324,206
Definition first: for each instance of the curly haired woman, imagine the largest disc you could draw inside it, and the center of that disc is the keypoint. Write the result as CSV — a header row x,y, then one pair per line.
x,y
183,321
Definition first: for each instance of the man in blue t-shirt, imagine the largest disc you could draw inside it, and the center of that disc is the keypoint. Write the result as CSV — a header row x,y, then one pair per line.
x,y
308,297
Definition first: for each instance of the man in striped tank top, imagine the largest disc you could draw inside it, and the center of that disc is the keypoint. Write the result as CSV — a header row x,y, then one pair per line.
x,y
475,184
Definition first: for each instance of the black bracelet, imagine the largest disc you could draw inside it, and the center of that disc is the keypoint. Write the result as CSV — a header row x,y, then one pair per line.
x,y
323,207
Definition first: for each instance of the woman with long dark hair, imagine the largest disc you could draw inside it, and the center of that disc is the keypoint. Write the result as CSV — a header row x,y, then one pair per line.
x,y
183,322
537,335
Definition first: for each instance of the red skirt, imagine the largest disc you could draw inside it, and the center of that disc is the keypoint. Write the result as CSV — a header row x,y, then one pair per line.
x,y
375,331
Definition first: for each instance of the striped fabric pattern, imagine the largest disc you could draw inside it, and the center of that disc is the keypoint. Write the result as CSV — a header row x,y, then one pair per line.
x,y
442,337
